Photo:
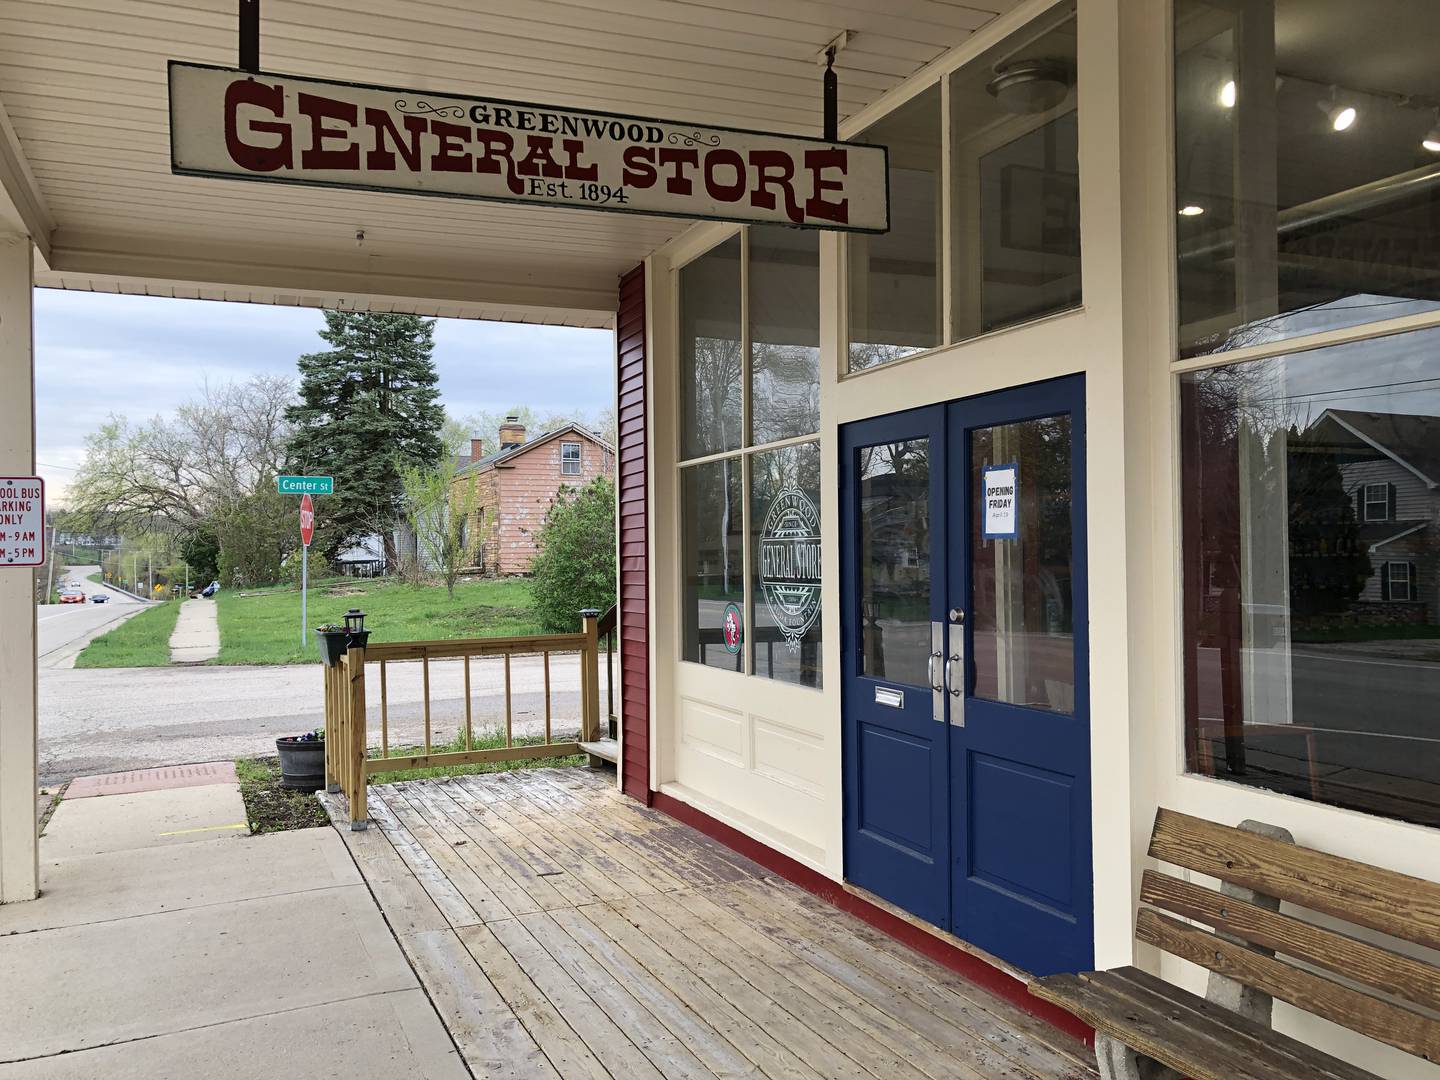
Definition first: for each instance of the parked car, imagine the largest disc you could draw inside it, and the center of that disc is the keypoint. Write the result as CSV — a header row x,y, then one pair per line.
x,y
72,596
99,598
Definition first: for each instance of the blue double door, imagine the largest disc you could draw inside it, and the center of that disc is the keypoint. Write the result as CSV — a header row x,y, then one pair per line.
x,y
965,667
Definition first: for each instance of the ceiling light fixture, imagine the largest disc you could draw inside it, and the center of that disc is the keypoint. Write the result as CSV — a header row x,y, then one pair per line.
x,y
1431,141
1191,210
1228,94
1341,116
1027,87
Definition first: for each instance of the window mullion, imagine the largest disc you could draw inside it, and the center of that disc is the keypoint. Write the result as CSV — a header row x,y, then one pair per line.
x,y
744,459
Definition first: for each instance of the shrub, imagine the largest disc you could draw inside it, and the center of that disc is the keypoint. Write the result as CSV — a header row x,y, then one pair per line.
x,y
575,567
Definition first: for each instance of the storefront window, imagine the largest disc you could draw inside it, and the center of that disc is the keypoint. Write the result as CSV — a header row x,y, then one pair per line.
x,y
755,355
895,307
784,290
785,563
1015,179
1307,167
1310,493
710,367
711,562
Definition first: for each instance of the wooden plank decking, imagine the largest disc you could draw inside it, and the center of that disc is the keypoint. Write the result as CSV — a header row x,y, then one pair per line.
x,y
563,930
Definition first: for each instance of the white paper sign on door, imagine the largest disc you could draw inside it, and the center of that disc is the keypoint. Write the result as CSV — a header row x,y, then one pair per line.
x,y
1002,492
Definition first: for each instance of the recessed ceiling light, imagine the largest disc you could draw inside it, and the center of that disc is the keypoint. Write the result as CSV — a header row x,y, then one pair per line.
x,y
1227,94
1191,210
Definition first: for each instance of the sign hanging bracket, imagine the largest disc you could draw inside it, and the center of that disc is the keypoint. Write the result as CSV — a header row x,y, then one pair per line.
x,y
832,85
250,36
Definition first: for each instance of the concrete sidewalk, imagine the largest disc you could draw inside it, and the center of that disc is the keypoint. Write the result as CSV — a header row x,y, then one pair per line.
x,y
196,637
169,943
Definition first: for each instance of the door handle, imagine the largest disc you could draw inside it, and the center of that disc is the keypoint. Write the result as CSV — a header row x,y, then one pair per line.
x,y
955,669
937,686
950,683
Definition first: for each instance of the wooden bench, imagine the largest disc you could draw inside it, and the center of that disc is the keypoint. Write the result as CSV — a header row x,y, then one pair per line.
x,y
1256,954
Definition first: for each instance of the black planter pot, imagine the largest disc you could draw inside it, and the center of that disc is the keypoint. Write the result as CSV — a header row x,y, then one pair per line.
x,y
302,763
336,643
332,645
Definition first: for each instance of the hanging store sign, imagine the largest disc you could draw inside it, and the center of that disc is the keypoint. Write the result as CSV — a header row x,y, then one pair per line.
x,y
790,564
229,123
22,521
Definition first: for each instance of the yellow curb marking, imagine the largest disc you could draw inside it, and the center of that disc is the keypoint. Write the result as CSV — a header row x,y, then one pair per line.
x,y
207,828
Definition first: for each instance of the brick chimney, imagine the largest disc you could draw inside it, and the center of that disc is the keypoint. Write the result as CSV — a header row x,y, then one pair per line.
x,y
512,433
477,449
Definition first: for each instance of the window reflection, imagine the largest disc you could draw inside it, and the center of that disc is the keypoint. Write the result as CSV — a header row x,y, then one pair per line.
x,y
714,573
1022,603
785,561
895,561
1311,515
784,276
710,369
1307,167
895,277
1016,171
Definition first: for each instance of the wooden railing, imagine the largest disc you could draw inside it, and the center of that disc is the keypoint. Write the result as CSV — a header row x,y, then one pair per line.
x,y
348,764
608,628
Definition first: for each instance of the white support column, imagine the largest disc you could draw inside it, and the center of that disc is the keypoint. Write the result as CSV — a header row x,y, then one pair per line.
x,y
19,856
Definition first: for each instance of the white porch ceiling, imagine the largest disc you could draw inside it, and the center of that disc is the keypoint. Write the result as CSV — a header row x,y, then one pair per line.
x,y
83,85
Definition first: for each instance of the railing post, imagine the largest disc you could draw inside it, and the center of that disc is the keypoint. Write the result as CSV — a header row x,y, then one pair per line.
x,y
329,676
359,811
342,724
590,676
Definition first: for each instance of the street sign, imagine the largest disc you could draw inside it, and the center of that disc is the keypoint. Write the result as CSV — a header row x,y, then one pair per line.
x,y
248,125
307,521
305,485
22,521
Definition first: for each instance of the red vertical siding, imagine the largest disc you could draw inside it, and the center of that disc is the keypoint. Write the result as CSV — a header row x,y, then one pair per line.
x,y
634,629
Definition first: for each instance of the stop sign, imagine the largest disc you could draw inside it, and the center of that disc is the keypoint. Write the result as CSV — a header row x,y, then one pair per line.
x,y
307,521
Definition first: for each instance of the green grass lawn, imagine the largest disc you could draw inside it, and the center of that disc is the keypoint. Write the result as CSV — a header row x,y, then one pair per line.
x,y
263,626
142,640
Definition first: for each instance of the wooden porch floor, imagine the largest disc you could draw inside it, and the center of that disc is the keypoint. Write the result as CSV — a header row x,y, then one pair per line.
x,y
562,930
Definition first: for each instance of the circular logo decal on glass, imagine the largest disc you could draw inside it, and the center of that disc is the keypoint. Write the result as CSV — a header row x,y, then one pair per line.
x,y
790,564
733,628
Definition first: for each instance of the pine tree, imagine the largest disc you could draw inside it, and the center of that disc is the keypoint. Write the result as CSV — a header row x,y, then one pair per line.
x,y
369,409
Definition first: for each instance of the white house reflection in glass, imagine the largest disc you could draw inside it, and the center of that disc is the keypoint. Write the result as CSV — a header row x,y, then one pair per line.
x,y
1311,515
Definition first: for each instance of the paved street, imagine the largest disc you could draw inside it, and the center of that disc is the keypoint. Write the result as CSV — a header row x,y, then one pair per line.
x,y
64,629
112,719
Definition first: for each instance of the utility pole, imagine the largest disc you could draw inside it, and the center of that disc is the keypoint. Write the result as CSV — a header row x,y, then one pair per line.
x,y
50,583
150,559
134,572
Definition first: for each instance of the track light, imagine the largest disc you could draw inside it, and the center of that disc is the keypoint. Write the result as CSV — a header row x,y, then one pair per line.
x,y
1341,116
1431,141
1228,94
1191,210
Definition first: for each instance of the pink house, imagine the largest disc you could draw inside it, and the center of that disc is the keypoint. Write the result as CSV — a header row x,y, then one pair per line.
x,y
515,485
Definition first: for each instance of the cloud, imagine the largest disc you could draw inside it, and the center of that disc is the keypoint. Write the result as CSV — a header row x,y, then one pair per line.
x,y
98,355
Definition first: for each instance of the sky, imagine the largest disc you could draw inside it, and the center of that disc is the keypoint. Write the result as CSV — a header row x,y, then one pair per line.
x,y
98,355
